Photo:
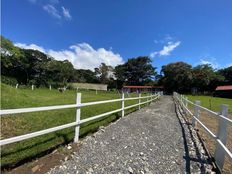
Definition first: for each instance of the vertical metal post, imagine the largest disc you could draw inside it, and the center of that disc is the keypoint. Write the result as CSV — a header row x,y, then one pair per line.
x,y
78,117
139,100
222,134
196,112
123,104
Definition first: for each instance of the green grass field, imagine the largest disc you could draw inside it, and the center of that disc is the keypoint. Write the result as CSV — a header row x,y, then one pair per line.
x,y
212,103
13,125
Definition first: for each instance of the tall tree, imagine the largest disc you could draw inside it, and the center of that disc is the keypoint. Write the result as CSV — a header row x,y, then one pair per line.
x,y
205,78
105,73
227,73
136,71
177,77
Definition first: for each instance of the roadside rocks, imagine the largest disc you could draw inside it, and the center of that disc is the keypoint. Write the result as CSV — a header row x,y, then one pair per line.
x,y
144,142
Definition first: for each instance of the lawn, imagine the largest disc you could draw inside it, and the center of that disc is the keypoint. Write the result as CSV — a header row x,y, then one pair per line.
x,y
212,103
12,125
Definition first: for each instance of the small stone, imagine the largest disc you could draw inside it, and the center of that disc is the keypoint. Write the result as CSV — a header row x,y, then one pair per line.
x,y
54,151
130,170
101,127
66,158
69,147
131,154
90,170
95,166
146,169
103,130
113,138
144,158
141,153
34,169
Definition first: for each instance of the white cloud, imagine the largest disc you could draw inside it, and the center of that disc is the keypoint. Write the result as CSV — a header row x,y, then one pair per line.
x,y
52,11
66,13
30,46
167,38
211,61
82,56
167,49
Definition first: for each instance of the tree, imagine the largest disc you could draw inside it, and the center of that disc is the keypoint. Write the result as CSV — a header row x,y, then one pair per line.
x,y
227,73
177,77
104,73
84,76
136,71
205,78
32,66
202,75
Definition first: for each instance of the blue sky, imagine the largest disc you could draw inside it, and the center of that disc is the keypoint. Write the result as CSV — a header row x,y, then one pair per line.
x,y
111,31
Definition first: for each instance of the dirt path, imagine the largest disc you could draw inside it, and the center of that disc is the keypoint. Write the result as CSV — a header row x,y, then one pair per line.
x,y
147,141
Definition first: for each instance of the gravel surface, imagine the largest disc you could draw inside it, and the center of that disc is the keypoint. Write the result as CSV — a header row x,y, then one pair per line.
x,y
147,141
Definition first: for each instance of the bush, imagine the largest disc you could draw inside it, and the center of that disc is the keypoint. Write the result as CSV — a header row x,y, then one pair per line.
x,y
8,80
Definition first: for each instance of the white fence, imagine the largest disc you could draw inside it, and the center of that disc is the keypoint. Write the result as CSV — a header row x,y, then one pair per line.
x,y
78,121
221,138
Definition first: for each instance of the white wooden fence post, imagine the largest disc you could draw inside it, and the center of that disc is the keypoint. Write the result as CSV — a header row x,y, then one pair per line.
x,y
17,86
32,87
147,100
186,104
222,134
181,99
78,117
50,87
196,112
139,100
123,104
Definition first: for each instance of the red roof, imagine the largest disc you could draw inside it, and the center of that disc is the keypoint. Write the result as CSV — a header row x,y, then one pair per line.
x,y
138,87
221,88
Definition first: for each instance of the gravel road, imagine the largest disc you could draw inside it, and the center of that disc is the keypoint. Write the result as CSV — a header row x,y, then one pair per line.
x,y
147,141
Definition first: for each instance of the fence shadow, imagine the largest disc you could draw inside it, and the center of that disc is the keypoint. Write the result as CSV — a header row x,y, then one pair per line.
x,y
186,130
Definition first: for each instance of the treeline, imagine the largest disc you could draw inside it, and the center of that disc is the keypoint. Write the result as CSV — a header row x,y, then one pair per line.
x,y
25,66
184,78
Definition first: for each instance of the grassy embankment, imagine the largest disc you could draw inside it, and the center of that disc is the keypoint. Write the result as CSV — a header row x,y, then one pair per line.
x,y
214,103
20,124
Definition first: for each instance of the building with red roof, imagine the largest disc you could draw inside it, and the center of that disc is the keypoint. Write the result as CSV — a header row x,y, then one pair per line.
x,y
224,91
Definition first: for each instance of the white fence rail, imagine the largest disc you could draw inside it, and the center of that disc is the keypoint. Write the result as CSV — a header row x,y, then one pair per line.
x,y
78,121
221,138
